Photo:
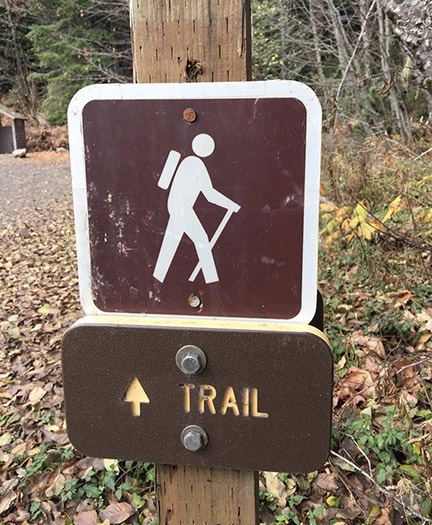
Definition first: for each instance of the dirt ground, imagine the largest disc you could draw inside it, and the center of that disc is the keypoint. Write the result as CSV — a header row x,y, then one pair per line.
x,y
28,185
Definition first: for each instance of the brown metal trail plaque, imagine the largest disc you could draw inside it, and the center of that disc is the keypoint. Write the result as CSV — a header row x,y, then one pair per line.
x,y
263,397
207,191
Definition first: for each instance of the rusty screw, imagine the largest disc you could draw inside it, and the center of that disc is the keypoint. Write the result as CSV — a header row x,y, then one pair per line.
x,y
194,300
189,115
194,438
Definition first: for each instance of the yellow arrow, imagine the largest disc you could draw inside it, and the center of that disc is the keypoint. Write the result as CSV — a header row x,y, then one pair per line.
x,y
135,395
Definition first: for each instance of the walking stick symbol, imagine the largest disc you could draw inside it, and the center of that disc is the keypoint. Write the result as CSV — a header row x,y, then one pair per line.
x,y
213,241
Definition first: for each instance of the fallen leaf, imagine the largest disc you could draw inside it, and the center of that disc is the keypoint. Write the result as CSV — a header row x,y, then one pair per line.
x,y
87,517
424,338
7,500
14,332
19,449
5,439
45,309
403,297
55,488
116,513
111,465
276,488
356,386
326,481
36,394
368,344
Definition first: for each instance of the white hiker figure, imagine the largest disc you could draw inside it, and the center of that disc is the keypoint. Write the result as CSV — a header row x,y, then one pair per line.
x,y
191,179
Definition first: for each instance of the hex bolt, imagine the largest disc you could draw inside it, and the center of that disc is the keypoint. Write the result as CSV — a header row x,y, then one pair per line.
x,y
191,364
189,115
191,360
194,438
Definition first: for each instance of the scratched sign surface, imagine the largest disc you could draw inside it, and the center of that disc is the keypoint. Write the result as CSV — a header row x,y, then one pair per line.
x,y
214,208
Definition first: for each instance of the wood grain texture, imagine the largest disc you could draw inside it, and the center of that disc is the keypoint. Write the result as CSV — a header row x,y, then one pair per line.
x,y
191,40
198,496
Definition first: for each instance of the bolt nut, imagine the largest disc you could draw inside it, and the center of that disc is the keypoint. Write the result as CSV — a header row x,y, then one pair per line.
x,y
194,438
191,360
189,115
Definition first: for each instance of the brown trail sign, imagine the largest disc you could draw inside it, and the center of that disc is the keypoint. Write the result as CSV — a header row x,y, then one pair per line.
x,y
261,395
224,208
196,209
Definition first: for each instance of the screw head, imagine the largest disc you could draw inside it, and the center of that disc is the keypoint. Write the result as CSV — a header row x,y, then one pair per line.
x,y
194,300
191,360
189,115
194,438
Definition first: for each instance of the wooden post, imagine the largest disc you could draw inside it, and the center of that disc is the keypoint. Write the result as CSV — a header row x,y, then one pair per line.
x,y
196,41
191,40
203,496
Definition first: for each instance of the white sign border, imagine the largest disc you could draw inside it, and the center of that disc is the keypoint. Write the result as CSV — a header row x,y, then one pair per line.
x,y
204,90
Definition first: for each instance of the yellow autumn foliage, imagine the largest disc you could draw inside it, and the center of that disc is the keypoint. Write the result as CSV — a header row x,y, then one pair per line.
x,y
350,222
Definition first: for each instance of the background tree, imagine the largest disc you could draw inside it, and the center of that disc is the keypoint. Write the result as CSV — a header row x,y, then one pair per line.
x,y
347,51
413,27
17,57
79,42
368,60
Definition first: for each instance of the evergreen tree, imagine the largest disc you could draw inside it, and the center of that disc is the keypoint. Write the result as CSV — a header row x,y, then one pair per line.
x,y
79,42
17,58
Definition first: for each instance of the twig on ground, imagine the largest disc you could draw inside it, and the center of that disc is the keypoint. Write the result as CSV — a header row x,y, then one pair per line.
x,y
361,451
405,148
406,508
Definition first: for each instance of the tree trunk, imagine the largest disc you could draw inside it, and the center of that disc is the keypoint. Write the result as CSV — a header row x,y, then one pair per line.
x,y
413,27
317,49
384,38
27,91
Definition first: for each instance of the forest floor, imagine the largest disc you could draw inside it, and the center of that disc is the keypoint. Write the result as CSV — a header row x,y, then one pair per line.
x,y
375,276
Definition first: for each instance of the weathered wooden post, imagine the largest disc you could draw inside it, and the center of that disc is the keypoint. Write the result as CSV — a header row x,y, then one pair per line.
x,y
196,41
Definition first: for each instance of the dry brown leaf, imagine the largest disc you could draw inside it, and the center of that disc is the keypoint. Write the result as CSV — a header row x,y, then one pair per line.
x,y
424,338
5,439
326,481
276,488
87,517
425,316
368,344
36,394
356,386
59,521
19,449
116,512
57,485
402,297
7,500
422,319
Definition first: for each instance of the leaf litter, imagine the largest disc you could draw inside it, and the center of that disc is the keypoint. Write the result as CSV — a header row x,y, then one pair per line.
x,y
379,469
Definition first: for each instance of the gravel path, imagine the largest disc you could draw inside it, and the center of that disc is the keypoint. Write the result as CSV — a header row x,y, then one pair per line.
x,y
32,184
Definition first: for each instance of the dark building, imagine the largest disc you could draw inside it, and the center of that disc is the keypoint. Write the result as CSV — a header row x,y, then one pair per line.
x,y
11,137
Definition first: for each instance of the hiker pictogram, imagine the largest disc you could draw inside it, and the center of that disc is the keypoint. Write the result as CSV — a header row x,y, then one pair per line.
x,y
188,181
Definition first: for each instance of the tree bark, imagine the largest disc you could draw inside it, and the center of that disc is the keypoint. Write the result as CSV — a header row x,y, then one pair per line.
x,y
412,22
403,126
